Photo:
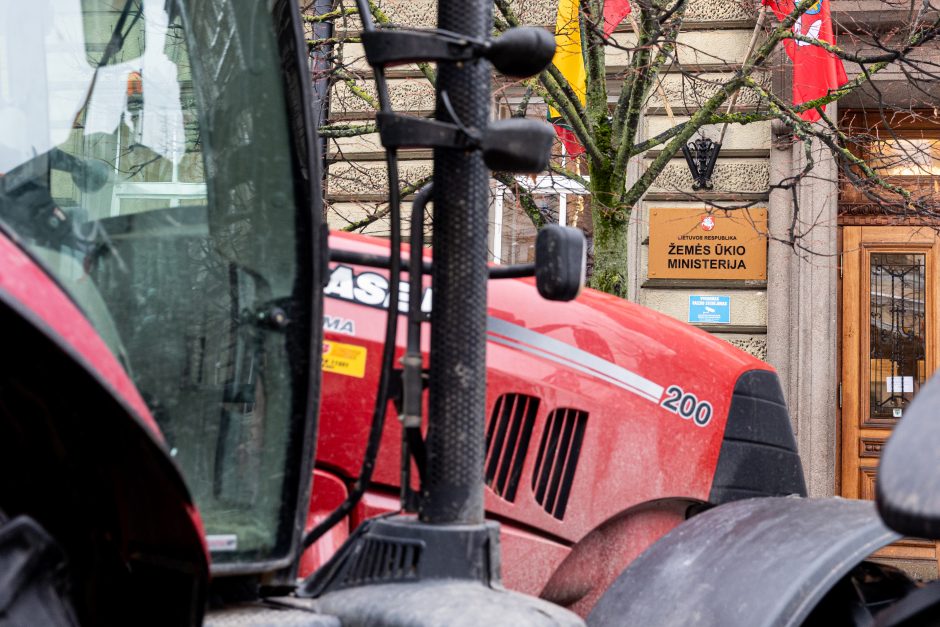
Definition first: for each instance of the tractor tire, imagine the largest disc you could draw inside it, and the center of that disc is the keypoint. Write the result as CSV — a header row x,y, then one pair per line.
x,y
33,582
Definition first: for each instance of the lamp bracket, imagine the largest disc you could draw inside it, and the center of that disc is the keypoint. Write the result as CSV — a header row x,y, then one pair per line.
x,y
701,155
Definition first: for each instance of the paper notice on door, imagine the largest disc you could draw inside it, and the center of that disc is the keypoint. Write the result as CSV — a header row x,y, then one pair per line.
x,y
900,385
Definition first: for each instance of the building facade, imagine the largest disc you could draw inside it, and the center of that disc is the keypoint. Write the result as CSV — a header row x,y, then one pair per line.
x,y
841,297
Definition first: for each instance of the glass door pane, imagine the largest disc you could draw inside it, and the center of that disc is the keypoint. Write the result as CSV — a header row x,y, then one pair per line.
x,y
898,343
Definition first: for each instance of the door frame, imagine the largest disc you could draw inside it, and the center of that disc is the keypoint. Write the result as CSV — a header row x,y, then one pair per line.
x,y
856,244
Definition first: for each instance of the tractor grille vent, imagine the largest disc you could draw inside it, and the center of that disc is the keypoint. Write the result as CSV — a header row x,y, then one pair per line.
x,y
384,560
507,442
558,459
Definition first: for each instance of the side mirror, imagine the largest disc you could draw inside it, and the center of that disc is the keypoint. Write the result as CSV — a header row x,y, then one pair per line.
x,y
560,262
522,51
517,145
89,175
908,483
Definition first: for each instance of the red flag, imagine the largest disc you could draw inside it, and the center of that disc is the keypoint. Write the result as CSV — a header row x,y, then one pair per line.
x,y
614,12
568,59
815,70
569,140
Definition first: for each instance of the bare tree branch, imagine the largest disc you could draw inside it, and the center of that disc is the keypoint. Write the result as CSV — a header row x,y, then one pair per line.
x,y
381,213
347,130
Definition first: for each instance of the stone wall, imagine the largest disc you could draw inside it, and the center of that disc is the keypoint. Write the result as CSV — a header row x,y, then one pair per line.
x,y
711,46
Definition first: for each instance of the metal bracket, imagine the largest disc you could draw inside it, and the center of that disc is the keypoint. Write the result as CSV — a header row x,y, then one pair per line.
x,y
405,131
700,156
395,47
519,52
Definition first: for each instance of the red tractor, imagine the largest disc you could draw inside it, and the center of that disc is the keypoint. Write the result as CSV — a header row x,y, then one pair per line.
x,y
608,425
162,270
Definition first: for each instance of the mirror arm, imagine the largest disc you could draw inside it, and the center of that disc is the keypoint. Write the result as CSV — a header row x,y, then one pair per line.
x,y
514,271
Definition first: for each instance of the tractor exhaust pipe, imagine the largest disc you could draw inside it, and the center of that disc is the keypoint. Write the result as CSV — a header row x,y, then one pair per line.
x,y
449,555
457,392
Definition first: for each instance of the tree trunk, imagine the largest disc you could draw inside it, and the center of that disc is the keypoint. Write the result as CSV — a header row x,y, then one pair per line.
x,y
610,254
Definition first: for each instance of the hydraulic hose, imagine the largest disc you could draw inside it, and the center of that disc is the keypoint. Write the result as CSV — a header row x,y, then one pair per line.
x,y
413,361
391,323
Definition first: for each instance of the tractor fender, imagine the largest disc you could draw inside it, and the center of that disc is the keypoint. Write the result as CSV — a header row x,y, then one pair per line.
x,y
760,563
594,563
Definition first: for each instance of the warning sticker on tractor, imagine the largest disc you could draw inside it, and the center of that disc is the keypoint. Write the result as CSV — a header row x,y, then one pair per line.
x,y
347,359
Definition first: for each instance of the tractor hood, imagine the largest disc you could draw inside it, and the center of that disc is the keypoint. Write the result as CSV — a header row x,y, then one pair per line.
x,y
81,455
620,366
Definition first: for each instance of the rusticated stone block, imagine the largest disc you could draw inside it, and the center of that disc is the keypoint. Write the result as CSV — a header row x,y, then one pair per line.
x,y
419,13
692,90
695,47
424,12
744,175
748,308
738,137
370,177
536,11
341,215
354,57
718,11
755,345
406,95
340,147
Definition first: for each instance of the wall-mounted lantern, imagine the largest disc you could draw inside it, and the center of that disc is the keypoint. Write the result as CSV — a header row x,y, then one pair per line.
x,y
700,155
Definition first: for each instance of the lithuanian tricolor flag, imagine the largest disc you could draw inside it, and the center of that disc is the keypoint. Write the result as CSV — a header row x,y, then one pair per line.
x,y
569,58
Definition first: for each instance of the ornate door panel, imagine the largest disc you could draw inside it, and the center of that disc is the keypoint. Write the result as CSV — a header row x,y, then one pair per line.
x,y
889,347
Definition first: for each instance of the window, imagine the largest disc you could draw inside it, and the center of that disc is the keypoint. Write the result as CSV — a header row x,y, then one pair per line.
x,y
557,198
903,152
155,182
906,156
898,339
512,233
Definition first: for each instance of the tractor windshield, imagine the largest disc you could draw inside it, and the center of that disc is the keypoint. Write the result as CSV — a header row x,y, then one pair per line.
x,y
146,163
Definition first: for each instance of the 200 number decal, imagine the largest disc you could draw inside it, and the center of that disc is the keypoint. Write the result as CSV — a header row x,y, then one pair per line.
x,y
687,406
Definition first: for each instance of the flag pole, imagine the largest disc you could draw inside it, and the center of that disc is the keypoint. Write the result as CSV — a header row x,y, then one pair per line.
x,y
701,156
659,81
761,16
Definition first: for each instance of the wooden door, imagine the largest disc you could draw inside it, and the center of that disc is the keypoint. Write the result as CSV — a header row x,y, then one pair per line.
x,y
889,347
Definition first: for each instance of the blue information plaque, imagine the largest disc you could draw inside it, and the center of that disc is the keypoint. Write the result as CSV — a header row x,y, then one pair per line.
x,y
710,309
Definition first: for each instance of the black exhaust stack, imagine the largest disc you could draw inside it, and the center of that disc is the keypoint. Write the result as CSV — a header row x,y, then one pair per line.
x,y
457,393
443,566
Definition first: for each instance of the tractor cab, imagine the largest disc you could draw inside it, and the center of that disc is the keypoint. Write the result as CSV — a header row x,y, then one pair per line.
x,y
157,164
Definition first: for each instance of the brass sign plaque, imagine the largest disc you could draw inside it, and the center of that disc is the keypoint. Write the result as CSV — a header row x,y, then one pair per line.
x,y
708,244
